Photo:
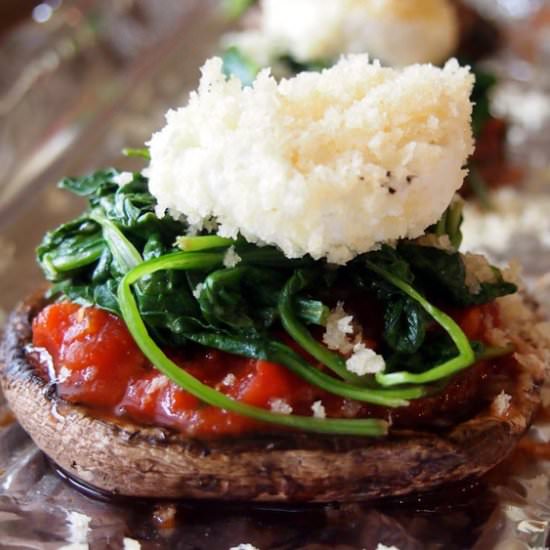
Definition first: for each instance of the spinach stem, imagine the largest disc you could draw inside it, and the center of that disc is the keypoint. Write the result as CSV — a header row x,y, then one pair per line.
x,y
301,334
139,153
464,359
123,251
479,187
495,352
454,220
202,242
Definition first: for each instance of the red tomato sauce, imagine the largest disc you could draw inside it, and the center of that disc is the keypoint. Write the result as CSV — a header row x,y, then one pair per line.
x,y
98,364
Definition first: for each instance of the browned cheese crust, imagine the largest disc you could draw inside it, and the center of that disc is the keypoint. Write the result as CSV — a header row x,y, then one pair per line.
x,y
128,459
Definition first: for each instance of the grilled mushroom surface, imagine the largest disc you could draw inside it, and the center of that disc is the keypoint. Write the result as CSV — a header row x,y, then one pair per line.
x,y
128,459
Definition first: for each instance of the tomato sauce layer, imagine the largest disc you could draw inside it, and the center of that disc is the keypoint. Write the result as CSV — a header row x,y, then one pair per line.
x,y
97,364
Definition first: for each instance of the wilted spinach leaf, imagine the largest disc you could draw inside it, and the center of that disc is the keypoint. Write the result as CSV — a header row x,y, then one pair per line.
x,y
444,272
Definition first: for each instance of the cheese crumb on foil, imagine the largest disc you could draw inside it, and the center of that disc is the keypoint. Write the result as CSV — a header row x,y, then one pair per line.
x,y
365,361
399,32
329,164
79,527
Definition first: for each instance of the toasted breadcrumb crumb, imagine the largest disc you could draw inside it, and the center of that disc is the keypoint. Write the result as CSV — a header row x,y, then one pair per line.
x,y
338,328
478,270
365,361
280,406
229,379
318,409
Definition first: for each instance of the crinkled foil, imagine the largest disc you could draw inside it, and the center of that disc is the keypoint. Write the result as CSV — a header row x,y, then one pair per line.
x,y
96,77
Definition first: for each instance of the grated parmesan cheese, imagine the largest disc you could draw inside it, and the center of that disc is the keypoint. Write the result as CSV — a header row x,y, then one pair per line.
x,y
244,546
198,290
318,409
338,328
329,164
231,258
229,379
280,406
124,178
365,361
384,547
501,403
131,544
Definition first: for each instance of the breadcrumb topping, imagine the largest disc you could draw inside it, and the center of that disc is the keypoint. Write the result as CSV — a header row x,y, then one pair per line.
x,y
329,164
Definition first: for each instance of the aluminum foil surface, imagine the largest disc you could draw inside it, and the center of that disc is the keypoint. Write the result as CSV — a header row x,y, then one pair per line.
x,y
98,76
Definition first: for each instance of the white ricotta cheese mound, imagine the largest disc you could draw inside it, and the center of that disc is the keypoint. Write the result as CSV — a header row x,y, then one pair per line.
x,y
399,32
329,164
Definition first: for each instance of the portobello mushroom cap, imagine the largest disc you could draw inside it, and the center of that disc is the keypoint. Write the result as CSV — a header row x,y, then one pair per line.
x,y
127,459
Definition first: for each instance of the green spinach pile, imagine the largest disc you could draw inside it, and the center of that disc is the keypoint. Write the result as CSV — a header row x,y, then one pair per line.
x,y
176,289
